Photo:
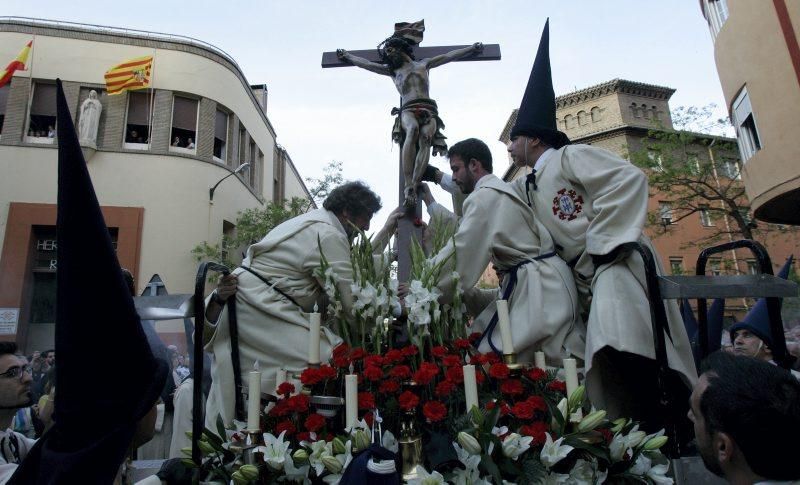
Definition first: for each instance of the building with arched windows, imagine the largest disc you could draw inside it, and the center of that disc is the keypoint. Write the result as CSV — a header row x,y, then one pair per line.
x,y
757,54
158,152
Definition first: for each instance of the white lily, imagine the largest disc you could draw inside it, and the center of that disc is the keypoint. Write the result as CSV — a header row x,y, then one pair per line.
x,y
555,478
658,474
499,431
515,445
554,451
468,477
584,472
466,458
425,478
274,450
293,473
319,449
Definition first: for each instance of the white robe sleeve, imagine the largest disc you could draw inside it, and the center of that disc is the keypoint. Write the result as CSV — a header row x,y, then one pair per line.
x,y
618,194
447,183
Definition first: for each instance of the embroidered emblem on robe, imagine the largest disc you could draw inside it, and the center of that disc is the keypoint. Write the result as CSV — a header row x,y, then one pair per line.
x,y
567,204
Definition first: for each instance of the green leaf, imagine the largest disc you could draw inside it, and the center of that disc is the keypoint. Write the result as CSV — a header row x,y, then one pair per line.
x,y
597,451
533,471
491,468
221,427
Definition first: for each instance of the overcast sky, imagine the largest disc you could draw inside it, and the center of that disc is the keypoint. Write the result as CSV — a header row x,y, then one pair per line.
x,y
343,114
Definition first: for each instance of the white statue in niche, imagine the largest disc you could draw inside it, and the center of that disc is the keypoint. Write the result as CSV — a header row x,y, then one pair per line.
x,y
89,120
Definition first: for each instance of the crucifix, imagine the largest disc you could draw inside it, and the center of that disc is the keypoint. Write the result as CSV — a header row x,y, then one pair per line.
x,y
417,127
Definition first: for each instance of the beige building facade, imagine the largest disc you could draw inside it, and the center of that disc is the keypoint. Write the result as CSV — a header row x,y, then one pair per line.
x,y
159,151
758,60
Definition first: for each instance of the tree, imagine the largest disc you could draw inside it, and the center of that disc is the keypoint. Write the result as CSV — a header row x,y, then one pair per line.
x,y
254,223
695,170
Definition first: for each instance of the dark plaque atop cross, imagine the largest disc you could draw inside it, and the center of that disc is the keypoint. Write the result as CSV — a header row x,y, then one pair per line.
x,y
417,127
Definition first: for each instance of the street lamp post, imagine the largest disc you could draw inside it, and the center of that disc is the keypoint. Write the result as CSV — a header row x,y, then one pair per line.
x,y
239,169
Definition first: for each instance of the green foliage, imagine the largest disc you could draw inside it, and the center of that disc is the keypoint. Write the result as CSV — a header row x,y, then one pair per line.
x,y
696,172
319,188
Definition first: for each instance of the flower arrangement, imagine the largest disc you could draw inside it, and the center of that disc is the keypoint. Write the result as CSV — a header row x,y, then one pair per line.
x,y
524,432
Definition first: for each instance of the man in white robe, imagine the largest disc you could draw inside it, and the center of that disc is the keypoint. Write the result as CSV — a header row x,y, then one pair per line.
x,y
497,226
592,202
273,318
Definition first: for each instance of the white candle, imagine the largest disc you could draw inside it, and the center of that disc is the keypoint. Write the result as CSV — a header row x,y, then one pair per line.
x,y
254,399
350,400
470,386
505,327
571,378
280,377
315,320
539,360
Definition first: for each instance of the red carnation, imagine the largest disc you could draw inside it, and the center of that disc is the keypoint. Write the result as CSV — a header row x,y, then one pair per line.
x,y
474,337
408,400
558,386
401,372
439,351
341,350
285,426
366,400
480,377
523,410
444,388
538,403
341,362
373,373
451,360
358,353
298,403
409,350
492,358
389,386
512,387
314,422
281,409
536,430
536,374
327,372
369,418
375,360
455,374
462,343
478,359
499,371
305,436
393,356
434,411
310,376
285,388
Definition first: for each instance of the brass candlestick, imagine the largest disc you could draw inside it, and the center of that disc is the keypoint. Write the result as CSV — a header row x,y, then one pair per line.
x,y
510,360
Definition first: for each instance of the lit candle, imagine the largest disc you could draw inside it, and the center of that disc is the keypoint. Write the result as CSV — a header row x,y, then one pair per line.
x,y
571,378
351,400
539,360
280,377
470,386
315,320
505,327
254,399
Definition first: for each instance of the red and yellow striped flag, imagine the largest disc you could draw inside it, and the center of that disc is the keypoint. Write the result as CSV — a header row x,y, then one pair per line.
x,y
130,75
16,64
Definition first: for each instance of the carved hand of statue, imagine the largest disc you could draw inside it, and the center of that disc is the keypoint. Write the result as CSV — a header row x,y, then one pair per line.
x,y
341,54
477,46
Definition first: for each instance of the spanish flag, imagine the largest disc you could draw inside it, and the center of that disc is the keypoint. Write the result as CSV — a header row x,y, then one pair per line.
x,y
130,75
16,64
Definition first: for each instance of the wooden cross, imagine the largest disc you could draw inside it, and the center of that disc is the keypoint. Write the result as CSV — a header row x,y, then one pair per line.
x,y
406,230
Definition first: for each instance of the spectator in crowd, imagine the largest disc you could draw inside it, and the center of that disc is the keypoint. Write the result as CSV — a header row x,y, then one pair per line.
x,y
51,132
746,416
176,142
190,144
15,394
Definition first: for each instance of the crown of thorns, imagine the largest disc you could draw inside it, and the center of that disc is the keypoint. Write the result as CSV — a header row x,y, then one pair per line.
x,y
396,42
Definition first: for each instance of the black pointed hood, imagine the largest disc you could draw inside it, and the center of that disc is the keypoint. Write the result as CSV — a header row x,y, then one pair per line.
x,y
537,112
97,407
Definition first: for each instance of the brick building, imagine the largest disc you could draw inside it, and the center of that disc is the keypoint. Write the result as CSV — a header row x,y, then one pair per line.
x,y
617,116
158,153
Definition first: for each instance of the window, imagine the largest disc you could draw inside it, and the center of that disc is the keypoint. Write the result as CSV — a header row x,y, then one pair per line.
x,y
583,118
242,150
252,160
42,121
665,211
3,99
715,266
705,217
676,265
752,267
717,14
137,125
569,122
745,213
693,163
595,114
220,135
635,110
745,124
228,233
729,168
184,125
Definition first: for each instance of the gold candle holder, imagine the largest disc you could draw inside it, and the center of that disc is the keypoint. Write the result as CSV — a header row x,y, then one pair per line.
x,y
510,360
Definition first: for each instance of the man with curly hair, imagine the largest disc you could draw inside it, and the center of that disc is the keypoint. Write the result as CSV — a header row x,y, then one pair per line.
x,y
277,286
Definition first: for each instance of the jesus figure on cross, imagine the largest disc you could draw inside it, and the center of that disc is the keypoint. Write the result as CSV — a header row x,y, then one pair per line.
x,y
418,127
